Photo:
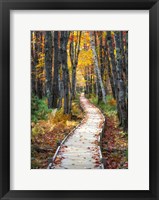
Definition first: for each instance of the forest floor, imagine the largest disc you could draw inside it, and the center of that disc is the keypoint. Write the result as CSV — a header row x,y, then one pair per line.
x,y
48,133
81,150
115,145
114,139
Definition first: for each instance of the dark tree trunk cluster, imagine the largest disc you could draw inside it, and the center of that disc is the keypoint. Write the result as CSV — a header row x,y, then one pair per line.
x,y
53,69
55,78
118,75
110,54
74,53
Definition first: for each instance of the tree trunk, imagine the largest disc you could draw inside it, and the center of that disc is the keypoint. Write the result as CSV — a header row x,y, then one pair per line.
x,y
126,67
114,72
97,67
33,70
36,61
97,45
39,69
107,60
101,56
48,66
61,93
55,90
64,41
74,53
91,80
121,88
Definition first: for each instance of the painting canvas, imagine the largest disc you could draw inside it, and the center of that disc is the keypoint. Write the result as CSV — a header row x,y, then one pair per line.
x,y
79,99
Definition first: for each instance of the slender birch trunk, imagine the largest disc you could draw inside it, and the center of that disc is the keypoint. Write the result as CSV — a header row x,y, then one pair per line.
x,y
97,67
74,53
97,46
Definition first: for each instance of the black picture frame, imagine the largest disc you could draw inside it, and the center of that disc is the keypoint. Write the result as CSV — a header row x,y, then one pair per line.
x,y
5,7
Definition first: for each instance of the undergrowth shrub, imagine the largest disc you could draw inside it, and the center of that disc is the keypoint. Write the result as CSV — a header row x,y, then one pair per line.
x,y
37,130
109,108
39,109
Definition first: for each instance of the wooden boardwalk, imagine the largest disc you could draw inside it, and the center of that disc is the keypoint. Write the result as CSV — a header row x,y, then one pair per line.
x,y
81,149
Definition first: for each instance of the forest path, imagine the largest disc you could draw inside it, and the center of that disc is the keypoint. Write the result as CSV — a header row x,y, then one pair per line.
x,y
81,149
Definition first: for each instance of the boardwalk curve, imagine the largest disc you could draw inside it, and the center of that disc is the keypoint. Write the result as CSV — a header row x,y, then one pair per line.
x,y
81,150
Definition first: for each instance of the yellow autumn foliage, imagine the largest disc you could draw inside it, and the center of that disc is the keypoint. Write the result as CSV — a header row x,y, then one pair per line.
x,y
112,102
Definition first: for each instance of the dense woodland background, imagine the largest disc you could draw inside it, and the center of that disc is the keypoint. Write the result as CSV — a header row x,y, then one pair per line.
x,y
65,64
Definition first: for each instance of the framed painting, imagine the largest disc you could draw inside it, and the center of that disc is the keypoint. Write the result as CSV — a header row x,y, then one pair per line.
x,y
79,99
